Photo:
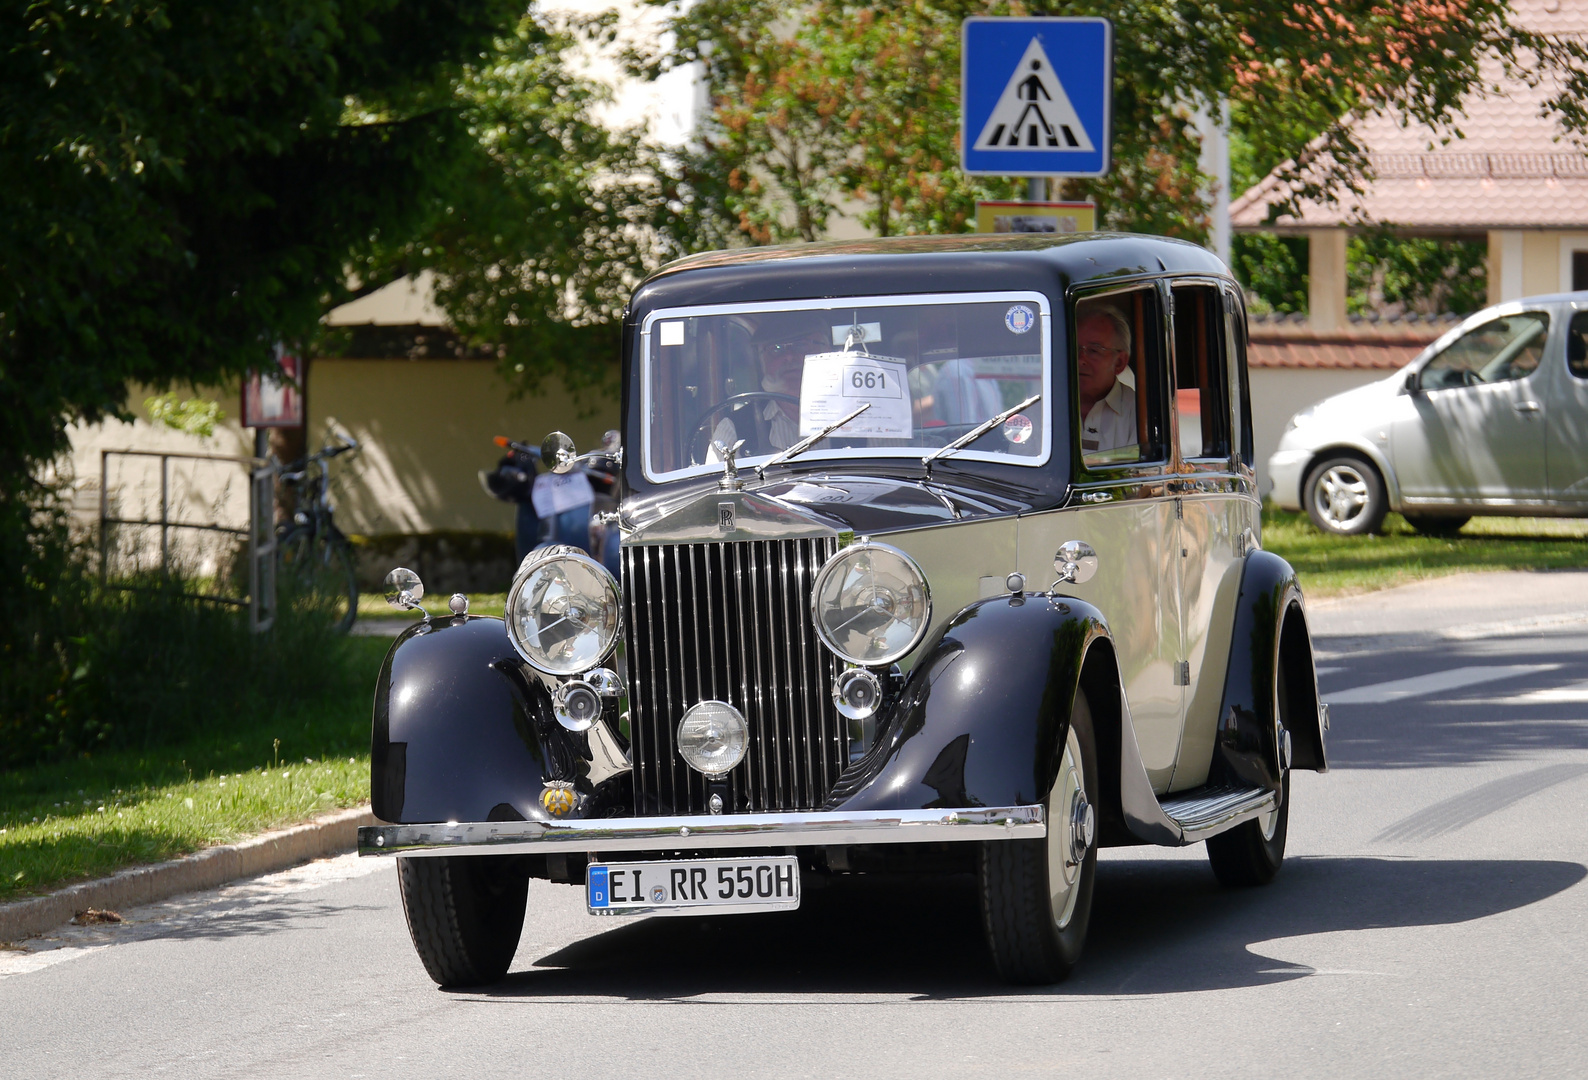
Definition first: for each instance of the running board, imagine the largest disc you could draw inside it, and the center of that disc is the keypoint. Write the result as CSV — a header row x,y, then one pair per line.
x,y
1206,811
1187,817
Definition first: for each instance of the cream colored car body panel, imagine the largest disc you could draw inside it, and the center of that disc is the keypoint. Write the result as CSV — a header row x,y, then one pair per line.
x,y
1210,536
1138,556
956,559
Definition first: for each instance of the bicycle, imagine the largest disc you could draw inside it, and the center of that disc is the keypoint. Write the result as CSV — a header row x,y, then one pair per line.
x,y
314,556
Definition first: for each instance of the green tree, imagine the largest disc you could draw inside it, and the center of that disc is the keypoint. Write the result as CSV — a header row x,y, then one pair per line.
x,y
185,182
854,100
549,221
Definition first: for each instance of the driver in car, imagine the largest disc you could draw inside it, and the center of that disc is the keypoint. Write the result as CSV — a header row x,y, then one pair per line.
x,y
781,343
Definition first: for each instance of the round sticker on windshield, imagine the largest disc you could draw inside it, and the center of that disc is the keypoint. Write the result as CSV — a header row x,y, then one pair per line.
x,y
1018,428
1019,319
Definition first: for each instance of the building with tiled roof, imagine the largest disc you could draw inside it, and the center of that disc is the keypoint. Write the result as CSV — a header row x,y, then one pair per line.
x,y
1513,177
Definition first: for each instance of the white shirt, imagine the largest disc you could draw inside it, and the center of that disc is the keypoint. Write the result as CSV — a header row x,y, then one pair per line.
x,y
1112,422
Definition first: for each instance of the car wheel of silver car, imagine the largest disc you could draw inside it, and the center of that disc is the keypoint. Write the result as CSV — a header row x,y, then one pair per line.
x,y
1345,495
465,914
1037,894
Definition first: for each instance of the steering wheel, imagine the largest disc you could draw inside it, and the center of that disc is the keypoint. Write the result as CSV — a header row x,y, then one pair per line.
x,y
737,401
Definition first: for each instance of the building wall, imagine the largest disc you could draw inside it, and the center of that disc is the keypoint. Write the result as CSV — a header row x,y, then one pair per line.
x,y
1531,262
1280,393
426,428
1541,263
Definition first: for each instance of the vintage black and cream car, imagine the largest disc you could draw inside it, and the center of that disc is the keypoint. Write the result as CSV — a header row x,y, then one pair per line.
x,y
939,555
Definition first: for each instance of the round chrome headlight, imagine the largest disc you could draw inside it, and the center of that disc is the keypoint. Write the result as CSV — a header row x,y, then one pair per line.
x,y
871,604
562,614
713,737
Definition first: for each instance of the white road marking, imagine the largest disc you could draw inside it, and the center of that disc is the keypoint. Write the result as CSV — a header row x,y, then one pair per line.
x,y
1575,694
1424,685
1329,670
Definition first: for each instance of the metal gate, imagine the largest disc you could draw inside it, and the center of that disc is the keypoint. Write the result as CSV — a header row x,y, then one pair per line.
x,y
197,521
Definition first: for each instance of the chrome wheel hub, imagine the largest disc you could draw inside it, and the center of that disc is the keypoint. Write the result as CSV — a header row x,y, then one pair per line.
x,y
1083,828
1341,495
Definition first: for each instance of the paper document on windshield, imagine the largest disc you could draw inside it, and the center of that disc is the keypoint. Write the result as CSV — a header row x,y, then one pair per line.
x,y
837,383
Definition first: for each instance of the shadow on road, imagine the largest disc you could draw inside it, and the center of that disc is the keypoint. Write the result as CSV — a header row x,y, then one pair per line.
x,y
1157,927
1457,727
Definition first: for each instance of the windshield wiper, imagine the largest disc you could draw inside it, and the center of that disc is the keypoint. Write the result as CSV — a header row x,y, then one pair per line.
x,y
976,432
805,444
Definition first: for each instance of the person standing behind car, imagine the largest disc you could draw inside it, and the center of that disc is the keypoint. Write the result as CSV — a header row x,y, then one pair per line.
x,y
1108,406
564,499
513,481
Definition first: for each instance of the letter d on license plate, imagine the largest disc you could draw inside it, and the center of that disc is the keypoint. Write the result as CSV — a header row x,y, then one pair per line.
x,y
694,886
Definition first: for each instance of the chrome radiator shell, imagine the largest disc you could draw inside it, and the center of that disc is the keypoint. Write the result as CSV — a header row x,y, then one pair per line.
x,y
731,622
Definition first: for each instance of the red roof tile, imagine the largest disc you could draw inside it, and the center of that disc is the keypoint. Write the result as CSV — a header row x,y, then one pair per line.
x,y
1510,166
1359,348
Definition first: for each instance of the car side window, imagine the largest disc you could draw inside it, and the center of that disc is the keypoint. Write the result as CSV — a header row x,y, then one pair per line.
x,y
1577,345
1117,357
1500,350
1200,387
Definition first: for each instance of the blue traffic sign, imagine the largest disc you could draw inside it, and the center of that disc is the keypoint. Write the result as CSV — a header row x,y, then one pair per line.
x,y
1036,96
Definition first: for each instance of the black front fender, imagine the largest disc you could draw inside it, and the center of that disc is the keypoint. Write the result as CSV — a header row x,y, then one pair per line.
x,y
982,718
462,732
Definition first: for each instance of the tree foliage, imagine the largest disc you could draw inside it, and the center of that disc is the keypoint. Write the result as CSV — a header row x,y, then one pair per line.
x,y
551,219
186,180
847,100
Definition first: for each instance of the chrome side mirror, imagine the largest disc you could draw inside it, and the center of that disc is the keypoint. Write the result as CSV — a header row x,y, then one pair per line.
x,y
1075,563
404,590
558,453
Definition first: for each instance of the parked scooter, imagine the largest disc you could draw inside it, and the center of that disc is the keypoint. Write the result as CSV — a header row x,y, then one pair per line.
x,y
567,508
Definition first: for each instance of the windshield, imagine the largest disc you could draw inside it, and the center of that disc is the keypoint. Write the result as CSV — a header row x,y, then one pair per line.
x,y
930,368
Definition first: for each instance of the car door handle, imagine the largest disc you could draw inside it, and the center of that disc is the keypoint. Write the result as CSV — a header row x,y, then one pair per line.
x,y
1528,406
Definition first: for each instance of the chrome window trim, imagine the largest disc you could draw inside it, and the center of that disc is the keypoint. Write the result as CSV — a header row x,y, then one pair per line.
x,y
1044,310
697,832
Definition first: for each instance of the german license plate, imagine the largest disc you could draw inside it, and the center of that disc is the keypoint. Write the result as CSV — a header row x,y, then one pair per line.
x,y
694,886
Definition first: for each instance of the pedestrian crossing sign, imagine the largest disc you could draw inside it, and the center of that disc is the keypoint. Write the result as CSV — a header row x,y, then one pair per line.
x,y
1035,96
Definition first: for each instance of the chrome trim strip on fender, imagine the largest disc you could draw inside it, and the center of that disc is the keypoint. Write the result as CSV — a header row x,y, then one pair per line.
x,y
693,833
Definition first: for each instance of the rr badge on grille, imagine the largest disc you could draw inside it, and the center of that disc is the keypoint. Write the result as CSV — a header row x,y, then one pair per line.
x,y
726,516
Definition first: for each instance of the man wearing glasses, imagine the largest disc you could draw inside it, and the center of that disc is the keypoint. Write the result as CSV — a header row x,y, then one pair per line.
x,y
1108,406
781,343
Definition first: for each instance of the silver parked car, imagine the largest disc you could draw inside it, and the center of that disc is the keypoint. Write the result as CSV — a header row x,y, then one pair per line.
x,y
1490,419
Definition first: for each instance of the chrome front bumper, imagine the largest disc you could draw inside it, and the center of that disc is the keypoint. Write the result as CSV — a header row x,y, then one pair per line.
x,y
702,833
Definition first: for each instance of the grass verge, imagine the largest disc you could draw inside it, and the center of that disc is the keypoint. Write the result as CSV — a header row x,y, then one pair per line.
x,y
95,814
374,606
1342,565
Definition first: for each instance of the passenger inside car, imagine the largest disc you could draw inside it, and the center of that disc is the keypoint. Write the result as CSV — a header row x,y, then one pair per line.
x,y
1107,402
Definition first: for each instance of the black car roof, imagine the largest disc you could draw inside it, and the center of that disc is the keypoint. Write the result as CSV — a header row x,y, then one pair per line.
x,y
1078,257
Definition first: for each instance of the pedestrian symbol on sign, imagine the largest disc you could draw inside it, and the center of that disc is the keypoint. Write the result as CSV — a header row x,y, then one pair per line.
x,y
1034,111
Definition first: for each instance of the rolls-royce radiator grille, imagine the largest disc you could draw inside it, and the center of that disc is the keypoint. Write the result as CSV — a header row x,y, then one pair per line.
x,y
731,622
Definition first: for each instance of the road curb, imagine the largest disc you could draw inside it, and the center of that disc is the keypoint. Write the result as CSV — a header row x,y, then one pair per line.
x,y
330,834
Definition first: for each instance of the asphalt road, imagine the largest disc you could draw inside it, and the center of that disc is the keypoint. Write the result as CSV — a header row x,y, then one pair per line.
x,y
1431,920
